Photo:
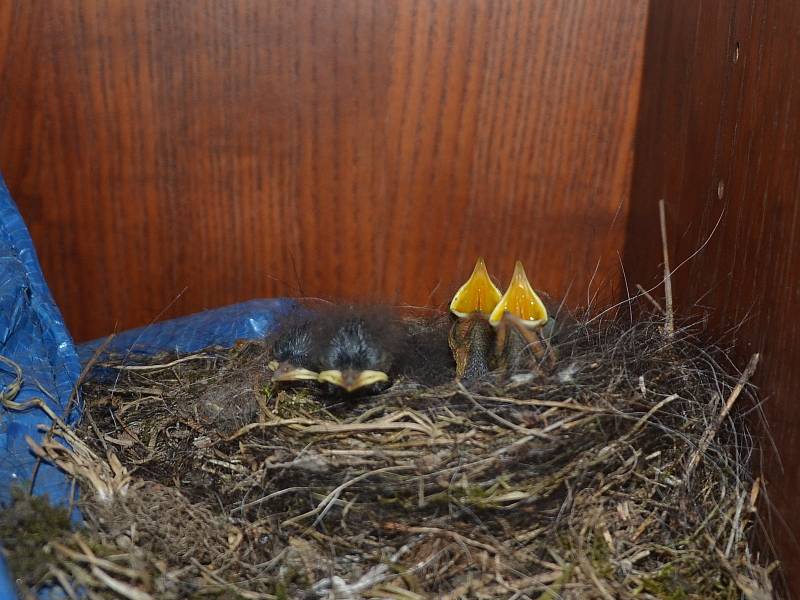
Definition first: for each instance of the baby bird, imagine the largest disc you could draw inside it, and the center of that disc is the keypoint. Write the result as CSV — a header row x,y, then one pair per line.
x,y
346,349
293,349
471,336
519,319
498,332
357,357
362,351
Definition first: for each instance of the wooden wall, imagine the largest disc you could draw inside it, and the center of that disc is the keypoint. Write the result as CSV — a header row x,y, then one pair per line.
x,y
719,140
220,151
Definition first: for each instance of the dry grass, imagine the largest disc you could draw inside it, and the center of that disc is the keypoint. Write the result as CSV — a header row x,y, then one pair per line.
x,y
625,473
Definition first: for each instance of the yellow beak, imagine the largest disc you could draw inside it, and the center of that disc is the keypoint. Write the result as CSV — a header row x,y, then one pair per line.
x,y
520,301
352,380
478,294
288,372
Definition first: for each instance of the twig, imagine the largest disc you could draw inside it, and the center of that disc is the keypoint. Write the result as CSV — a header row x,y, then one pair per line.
x,y
371,578
461,539
649,296
497,418
160,366
536,402
646,417
669,326
121,588
10,392
325,505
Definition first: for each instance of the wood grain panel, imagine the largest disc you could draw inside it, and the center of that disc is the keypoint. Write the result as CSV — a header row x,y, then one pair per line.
x,y
719,140
219,151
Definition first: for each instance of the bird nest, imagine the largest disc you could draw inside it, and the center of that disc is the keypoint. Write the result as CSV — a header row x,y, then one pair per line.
x,y
622,472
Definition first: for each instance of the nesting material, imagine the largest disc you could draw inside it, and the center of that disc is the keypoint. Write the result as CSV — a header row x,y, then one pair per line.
x,y
623,472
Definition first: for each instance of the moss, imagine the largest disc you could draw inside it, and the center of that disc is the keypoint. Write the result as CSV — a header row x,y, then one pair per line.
x,y
554,593
281,593
667,584
299,403
27,524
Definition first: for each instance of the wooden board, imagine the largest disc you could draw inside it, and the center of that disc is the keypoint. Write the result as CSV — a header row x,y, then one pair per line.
x,y
719,140
173,156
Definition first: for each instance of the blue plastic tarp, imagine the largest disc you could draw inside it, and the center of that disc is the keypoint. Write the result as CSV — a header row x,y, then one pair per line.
x,y
221,326
33,334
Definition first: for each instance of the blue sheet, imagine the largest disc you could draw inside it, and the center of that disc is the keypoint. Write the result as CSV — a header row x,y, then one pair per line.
x,y
33,334
220,326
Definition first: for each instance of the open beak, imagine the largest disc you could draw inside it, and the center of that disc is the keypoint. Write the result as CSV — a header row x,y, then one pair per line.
x,y
471,336
518,319
477,295
288,372
350,380
520,301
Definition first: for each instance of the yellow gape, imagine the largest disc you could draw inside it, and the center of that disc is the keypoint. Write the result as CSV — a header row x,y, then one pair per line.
x,y
519,301
477,295
495,332
351,381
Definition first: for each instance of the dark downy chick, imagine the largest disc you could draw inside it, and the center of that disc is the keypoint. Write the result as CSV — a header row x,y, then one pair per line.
x,y
359,356
293,347
362,350
427,359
